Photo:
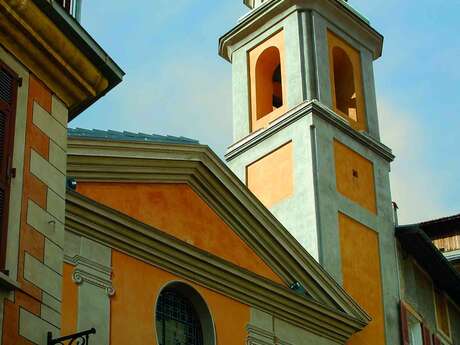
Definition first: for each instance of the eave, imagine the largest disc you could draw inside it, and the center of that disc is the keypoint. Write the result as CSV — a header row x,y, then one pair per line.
x,y
442,227
417,243
266,12
212,180
54,47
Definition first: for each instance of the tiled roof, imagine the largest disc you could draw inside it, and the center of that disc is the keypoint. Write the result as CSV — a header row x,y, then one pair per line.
x,y
127,136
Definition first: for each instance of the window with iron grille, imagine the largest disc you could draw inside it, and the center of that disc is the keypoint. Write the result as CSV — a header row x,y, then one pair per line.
x,y
177,321
8,94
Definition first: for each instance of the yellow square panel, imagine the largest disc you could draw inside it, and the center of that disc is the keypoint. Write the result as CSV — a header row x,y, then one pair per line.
x,y
355,176
271,177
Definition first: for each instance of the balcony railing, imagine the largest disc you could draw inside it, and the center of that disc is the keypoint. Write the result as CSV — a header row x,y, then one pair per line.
x,y
72,7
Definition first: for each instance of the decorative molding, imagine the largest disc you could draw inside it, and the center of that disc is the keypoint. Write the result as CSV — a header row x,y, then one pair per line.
x,y
334,10
259,336
30,35
308,108
87,218
91,272
215,183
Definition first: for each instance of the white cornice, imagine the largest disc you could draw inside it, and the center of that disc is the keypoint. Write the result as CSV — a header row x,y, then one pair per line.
x,y
261,15
308,108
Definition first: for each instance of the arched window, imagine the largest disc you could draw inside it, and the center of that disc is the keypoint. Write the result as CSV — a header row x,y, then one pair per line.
x,y
182,317
344,83
269,84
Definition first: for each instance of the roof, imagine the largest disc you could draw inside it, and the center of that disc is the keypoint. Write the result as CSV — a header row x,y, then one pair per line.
x,y
419,245
111,135
442,227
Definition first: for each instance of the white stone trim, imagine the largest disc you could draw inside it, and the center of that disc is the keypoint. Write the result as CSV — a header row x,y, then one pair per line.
x,y
47,173
49,125
91,272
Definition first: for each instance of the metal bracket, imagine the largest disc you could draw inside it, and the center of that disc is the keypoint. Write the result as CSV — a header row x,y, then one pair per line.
x,y
81,338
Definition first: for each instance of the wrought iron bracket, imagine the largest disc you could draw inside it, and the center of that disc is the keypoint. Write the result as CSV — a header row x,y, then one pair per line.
x,y
81,338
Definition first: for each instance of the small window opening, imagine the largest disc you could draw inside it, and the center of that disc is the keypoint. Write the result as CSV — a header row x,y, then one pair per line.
x,y
277,101
182,317
269,85
355,173
344,84
177,321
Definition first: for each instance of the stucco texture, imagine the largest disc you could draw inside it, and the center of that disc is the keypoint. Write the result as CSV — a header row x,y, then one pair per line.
x,y
177,210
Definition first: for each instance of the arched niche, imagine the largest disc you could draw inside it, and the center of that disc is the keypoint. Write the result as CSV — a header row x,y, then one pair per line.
x,y
193,317
269,83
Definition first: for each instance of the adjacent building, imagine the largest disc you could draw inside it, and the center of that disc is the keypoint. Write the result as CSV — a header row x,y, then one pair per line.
x,y
50,71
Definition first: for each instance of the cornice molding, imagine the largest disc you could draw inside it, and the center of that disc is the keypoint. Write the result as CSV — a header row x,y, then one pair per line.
x,y
88,218
270,10
215,183
48,52
308,108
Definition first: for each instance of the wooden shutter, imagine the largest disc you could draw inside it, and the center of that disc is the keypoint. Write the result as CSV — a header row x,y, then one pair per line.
x,y
426,335
404,324
8,93
436,340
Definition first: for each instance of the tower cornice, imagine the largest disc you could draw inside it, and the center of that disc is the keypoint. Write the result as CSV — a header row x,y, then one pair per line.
x,y
308,108
272,11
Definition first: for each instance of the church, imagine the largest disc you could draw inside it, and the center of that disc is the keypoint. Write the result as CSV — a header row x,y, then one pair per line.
x,y
128,238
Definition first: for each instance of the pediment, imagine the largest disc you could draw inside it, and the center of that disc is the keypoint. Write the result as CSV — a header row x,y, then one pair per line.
x,y
177,210
200,169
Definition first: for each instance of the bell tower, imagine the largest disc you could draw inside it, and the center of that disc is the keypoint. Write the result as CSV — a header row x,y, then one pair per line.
x,y
307,143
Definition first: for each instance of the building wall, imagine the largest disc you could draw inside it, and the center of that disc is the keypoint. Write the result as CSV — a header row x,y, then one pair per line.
x,y
121,302
36,222
117,293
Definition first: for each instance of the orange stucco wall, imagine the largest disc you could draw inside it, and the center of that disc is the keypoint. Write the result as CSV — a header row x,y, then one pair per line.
x,y
69,301
276,41
359,249
179,211
355,176
360,122
264,175
132,310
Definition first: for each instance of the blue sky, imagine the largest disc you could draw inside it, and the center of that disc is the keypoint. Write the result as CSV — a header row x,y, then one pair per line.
x,y
176,84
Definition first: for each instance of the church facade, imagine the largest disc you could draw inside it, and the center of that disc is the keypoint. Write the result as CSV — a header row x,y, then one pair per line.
x,y
121,238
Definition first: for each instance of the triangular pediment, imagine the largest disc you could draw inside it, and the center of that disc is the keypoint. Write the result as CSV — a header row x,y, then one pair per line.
x,y
211,180
177,210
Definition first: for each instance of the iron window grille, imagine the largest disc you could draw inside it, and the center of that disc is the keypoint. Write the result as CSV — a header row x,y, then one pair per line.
x,y
177,321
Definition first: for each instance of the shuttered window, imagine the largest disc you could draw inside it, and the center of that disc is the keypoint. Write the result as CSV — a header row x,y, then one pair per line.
x,y
405,335
426,335
413,330
8,93
436,340
442,312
